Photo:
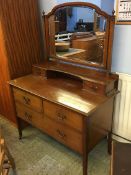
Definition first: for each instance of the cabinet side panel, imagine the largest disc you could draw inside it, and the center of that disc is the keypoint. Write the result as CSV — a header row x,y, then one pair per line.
x,y
100,123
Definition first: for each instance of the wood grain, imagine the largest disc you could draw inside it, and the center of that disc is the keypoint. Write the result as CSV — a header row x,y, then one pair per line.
x,y
28,100
63,115
29,115
20,46
63,134
66,93
6,101
21,30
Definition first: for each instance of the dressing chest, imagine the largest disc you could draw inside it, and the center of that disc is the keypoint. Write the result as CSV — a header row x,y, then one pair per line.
x,y
69,98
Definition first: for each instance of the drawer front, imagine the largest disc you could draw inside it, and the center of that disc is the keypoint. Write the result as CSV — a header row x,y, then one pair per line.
x,y
63,115
94,87
27,99
63,134
30,116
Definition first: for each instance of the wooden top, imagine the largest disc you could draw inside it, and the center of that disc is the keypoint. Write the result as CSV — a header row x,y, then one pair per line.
x,y
121,163
64,92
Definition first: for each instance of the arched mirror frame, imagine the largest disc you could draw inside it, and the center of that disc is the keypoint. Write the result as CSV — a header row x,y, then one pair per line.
x,y
50,43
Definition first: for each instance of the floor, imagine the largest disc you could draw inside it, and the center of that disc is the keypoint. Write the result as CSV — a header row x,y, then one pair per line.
x,y
38,154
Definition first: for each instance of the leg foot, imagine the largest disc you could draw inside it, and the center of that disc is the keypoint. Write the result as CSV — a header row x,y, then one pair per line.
x,y
20,135
19,128
85,165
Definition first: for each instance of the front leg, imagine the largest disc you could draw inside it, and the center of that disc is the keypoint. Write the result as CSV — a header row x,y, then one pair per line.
x,y
19,124
20,134
85,146
109,142
85,164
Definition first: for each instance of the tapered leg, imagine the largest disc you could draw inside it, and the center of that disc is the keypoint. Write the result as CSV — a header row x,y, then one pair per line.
x,y
109,142
19,128
85,146
85,164
20,134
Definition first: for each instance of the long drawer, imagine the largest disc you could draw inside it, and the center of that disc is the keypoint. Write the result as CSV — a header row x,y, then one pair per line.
x,y
30,116
27,99
63,115
63,134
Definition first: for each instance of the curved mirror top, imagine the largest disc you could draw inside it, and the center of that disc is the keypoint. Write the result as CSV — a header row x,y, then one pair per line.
x,y
79,34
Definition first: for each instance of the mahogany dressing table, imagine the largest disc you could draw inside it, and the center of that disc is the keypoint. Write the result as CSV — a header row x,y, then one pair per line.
x,y
69,98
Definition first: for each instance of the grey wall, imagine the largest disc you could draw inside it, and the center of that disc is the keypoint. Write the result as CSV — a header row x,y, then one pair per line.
x,y
46,5
121,59
107,5
121,56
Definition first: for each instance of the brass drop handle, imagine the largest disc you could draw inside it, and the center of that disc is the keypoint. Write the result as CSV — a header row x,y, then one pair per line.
x,y
61,134
61,117
28,116
26,100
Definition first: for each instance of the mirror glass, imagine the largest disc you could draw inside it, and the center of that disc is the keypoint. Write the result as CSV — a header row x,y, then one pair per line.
x,y
79,34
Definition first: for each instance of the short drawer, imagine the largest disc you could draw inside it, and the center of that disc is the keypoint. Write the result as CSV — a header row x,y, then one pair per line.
x,y
63,115
27,99
94,87
30,116
63,134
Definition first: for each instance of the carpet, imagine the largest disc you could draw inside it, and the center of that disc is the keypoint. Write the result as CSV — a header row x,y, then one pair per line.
x,y
48,166
39,154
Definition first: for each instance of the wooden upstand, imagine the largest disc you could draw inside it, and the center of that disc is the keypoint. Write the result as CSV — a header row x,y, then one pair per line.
x,y
71,104
121,159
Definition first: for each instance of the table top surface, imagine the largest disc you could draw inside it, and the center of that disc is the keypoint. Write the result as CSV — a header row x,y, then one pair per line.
x,y
67,93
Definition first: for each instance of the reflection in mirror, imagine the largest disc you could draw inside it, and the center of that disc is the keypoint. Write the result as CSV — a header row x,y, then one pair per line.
x,y
80,34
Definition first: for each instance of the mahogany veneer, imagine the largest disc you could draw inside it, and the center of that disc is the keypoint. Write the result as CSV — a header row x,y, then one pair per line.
x,y
57,103
70,101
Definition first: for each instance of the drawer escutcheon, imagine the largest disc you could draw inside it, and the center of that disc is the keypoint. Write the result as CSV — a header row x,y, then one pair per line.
x,y
61,134
28,116
27,100
61,117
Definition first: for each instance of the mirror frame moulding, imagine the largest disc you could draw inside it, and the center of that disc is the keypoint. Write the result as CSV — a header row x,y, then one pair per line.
x,y
106,65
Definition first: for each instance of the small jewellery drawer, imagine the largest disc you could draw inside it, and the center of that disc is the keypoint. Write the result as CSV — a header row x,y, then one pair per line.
x,y
94,87
27,99
64,134
63,115
29,115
